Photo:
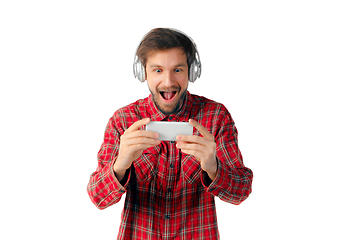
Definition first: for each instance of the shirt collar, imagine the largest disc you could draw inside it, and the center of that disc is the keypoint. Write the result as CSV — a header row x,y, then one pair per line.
x,y
181,116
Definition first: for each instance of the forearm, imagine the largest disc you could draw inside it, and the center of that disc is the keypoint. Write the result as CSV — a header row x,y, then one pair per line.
x,y
120,174
213,171
118,169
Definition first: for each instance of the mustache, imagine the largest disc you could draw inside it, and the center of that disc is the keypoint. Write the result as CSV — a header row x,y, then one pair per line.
x,y
171,89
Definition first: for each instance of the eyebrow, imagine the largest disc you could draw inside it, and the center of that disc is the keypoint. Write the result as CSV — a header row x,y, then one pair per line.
x,y
181,65
156,65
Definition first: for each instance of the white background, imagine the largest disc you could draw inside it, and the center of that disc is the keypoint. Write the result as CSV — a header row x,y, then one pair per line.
x,y
288,71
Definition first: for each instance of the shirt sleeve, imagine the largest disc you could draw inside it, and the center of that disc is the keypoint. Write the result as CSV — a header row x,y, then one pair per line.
x,y
233,181
103,188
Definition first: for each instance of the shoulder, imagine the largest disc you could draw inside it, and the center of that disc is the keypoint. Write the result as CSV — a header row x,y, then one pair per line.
x,y
125,116
208,106
134,109
214,116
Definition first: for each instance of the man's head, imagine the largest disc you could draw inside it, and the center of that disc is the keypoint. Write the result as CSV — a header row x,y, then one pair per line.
x,y
166,56
162,39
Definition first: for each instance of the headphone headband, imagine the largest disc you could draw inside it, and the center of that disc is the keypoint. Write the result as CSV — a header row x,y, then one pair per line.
x,y
194,70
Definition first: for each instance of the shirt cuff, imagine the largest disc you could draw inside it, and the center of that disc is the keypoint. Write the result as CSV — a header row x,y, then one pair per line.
x,y
214,187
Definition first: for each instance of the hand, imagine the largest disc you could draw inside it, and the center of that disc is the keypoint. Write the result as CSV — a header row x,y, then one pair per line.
x,y
202,148
132,144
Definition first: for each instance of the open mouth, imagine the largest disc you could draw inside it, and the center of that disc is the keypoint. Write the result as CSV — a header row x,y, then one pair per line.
x,y
168,95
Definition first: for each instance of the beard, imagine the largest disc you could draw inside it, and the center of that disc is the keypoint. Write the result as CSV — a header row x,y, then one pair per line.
x,y
172,108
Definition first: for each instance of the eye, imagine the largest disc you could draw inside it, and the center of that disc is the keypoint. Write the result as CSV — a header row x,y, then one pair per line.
x,y
158,70
177,70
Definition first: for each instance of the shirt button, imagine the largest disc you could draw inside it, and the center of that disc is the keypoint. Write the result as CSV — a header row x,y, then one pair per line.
x,y
170,118
169,190
167,217
171,165
172,141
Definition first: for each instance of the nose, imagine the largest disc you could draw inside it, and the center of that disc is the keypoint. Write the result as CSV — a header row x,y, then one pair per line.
x,y
168,79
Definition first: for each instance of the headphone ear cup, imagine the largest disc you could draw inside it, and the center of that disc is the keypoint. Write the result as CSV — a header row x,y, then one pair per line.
x,y
194,71
139,71
191,73
142,73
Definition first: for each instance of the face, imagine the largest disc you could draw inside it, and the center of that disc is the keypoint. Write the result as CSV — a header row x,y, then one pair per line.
x,y
167,78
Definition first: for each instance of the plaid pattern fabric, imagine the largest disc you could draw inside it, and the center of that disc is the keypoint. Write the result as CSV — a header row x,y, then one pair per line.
x,y
168,195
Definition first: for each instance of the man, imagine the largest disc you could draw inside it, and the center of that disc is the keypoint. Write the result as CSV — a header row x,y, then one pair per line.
x,y
170,186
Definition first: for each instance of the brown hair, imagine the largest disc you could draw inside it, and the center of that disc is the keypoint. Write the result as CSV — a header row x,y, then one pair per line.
x,y
165,38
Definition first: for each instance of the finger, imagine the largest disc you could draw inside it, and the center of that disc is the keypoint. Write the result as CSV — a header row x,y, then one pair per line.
x,y
209,147
130,137
192,139
201,129
191,146
138,124
137,147
142,133
142,140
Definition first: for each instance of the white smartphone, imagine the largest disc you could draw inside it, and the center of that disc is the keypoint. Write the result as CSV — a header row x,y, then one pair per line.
x,y
169,130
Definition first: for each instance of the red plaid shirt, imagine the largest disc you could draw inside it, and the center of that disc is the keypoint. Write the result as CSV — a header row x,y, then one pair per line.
x,y
168,195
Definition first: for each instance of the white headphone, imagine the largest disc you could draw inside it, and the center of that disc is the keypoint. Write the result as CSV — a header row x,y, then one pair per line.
x,y
195,66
